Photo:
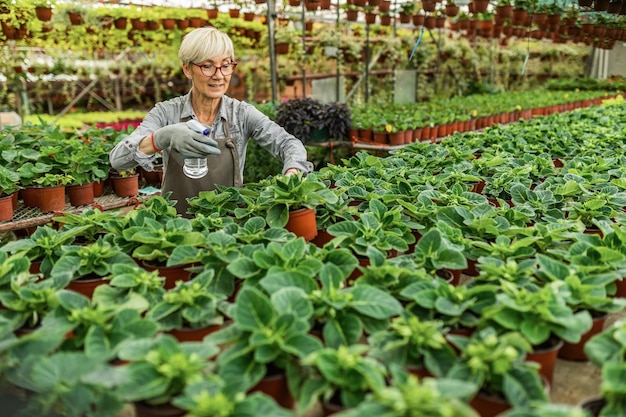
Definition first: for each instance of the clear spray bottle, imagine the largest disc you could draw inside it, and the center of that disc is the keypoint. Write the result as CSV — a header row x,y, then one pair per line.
x,y
196,167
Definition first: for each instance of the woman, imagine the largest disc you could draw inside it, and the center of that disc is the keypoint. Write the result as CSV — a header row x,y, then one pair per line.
x,y
208,60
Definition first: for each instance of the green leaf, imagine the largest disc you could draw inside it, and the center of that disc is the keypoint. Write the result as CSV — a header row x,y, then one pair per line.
x,y
292,300
342,330
253,310
374,302
278,215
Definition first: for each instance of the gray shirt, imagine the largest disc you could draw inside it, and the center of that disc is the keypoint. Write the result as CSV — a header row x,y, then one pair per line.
x,y
246,122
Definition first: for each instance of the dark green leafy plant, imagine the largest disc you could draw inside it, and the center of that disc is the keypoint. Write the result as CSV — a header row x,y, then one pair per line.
x,y
406,396
161,368
344,375
214,397
495,363
266,332
189,304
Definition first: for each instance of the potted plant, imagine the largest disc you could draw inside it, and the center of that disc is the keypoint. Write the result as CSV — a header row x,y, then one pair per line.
x,y
125,182
26,298
379,226
606,350
213,395
43,247
406,395
51,195
284,37
540,314
419,346
189,311
300,116
129,281
9,184
92,223
89,265
151,242
495,362
266,338
170,365
290,201
340,378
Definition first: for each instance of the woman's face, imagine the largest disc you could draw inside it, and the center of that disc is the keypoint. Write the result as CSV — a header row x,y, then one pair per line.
x,y
207,76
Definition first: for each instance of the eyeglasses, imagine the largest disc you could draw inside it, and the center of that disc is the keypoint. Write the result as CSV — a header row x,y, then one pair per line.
x,y
209,70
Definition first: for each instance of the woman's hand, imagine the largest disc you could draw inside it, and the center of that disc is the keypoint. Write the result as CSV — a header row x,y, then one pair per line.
x,y
291,171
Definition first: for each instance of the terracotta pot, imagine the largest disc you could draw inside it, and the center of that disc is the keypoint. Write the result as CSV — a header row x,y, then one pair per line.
x,y
86,285
576,351
471,269
363,262
170,273
29,195
545,356
51,199
121,23
282,48
81,195
302,223
6,208
419,371
126,186
154,177
418,19
593,405
98,188
333,406
450,276
396,138
381,137
620,288
322,238
43,13
75,18
274,384
489,405
189,334
143,409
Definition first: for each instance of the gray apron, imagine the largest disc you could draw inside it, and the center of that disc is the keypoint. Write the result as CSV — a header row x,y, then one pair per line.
x,y
223,170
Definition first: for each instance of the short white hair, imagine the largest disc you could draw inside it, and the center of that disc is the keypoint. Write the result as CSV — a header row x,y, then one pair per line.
x,y
205,43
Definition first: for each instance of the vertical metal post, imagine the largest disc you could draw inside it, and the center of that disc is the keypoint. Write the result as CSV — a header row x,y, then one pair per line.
x,y
303,49
271,14
337,69
367,62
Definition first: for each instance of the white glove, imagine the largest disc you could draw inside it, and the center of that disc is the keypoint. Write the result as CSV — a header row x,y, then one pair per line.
x,y
185,141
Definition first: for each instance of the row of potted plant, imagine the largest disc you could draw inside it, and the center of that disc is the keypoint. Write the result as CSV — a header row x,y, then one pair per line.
x,y
44,157
300,307
275,264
